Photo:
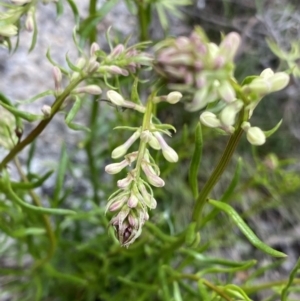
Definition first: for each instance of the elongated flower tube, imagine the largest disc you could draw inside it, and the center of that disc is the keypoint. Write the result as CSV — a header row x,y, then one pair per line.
x,y
115,168
152,177
122,149
168,152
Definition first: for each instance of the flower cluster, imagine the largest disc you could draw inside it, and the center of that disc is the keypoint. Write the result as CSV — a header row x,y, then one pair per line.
x,y
206,70
130,204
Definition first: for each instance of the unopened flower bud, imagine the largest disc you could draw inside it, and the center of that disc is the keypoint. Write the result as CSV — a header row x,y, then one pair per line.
x,y
122,149
29,22
117,70
226,92
117,50
174,97
230,45
152,177
267,73
132,201
8,30
254,134
210,119
168,152
90,89
94,47
57,76
259,85
116,98
46,110
279,81
115,168
124,183
93,65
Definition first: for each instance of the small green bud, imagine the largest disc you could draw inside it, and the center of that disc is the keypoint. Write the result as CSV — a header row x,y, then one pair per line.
x,y
174,97
210,119
115,97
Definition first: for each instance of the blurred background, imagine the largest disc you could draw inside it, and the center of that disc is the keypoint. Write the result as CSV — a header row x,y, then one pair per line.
x,y
269,190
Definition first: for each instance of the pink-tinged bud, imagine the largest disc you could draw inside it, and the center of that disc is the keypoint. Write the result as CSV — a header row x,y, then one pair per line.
x,y
210,119
90,89
230,45
116,203
219,62
168,152
8,30
152,177
132,201
254,134
200,100
279,81
116,98
133,220
267,73
174,97
124,183
46,110
226,92
117,70
200,80
94,47
122,149
117,50
29,22
115,168
93,65
182,43
181,58
57,76
145,197
189,78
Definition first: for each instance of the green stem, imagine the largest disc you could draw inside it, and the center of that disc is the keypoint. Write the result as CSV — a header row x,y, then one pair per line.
x,y
42,125
145,126
269,285
143,20
92,11
215,176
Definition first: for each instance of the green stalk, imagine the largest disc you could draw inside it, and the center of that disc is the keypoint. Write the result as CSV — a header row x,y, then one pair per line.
x,y
216,174
42,125
143,20
92,11
145,126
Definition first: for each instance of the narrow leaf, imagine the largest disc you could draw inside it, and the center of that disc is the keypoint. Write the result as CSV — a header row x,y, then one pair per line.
x,y
196,159
253,239
284,292
35,33
273,130
75,11
63,162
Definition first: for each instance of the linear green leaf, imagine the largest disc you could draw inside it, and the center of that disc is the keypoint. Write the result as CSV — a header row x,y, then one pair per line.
x,y
35,33
273,130
196,159
21,114
6,188
284,292
63,162
26,186
253,239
